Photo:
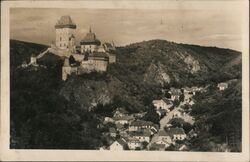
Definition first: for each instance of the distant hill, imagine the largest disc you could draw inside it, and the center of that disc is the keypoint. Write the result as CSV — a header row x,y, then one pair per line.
x,y
21,51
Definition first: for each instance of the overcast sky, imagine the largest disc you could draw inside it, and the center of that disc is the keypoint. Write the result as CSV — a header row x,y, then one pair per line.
x,y
210,27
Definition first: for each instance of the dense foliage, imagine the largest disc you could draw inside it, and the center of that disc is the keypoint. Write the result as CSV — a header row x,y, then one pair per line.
x,y
218,117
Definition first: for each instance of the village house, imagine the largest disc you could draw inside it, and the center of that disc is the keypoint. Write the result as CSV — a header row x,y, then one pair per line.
x,y
163,103
133,143
123,119
142,136
175,93
164,136
112,132
222,86
177,133
118,145
163,142
108,120
120,112
140,125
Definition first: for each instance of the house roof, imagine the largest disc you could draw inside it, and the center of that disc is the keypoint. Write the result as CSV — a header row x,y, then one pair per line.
x,y
112,130
225,85
126,117
141,133
121,110
167,101
121,142
172,131
141,123
65,22
174,91
133,140
164,133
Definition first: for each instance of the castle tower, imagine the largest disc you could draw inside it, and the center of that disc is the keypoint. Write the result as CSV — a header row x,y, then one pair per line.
x,y
89,43
65,29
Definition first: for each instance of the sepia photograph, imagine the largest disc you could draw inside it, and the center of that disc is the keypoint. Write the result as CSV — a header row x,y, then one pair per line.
x,y
126,78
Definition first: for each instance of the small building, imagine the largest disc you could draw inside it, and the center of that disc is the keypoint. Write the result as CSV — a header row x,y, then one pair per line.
x,y
163,142
108,120
133,143
163,103
118,145
110,50
123,119
112,132
119,112
140,125
164,136
177,133
175,93
142,136
222,86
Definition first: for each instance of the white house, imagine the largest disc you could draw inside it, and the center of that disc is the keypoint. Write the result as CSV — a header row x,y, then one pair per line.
x,y
118,145
164,136
140,125
141,136
175,93
162,104
133,143
222,86
178,133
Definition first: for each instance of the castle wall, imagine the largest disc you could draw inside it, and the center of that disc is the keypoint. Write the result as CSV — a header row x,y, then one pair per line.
x,y
68,70
85,48
62,37
112,58
98,65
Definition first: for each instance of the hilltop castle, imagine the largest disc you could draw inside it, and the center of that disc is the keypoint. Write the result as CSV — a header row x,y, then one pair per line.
x,y
90,55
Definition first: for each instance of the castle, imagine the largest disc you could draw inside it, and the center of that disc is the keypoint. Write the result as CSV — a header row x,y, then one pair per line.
x,y
90,55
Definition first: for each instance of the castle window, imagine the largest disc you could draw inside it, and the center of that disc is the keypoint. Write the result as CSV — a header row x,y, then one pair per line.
x,y
60,38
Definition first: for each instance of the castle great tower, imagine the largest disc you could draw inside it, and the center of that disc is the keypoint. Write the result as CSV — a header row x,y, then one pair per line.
x,y
65,30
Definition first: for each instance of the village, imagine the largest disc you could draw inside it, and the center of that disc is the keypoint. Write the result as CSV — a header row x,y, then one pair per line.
x,y
127,131
131,132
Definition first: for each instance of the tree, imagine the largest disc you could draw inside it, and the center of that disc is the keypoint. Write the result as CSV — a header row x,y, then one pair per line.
x,y
152,116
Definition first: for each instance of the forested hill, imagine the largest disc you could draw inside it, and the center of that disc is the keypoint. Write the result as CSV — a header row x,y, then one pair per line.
x,y
41,102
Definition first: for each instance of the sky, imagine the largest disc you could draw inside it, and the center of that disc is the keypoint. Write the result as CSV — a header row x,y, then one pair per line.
x,y
209,26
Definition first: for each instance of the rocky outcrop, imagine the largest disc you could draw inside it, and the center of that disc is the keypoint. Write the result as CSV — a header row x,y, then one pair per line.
x,y
156,74
193,64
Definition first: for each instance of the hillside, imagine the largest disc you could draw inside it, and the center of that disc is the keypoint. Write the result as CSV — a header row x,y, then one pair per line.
x,y
39,98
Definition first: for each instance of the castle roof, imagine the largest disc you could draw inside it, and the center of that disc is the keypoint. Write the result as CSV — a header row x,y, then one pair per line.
x,y
65,22
98,54
90,39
